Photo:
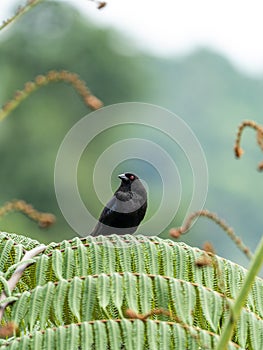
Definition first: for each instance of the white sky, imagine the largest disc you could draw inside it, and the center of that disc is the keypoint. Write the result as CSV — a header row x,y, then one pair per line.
x,y
169,27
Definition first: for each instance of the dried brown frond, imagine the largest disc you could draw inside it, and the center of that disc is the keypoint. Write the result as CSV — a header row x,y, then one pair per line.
x,y
204,260
238,151
52,77
19,12
176,232
101,5
8,330
259,136
143,317
260,166
41,80
43,219
92,101
260,139
131,314
208,247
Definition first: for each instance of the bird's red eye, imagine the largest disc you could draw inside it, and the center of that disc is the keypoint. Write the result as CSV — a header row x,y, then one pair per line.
x,y
131,177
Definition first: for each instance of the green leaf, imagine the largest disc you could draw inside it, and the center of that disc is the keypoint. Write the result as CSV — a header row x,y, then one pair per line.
x,y
101,335
68,263
114,334
57,263
59,301
138,335
75,297
34,307
42,266
103,286
48,292
145,290
117,291
89,298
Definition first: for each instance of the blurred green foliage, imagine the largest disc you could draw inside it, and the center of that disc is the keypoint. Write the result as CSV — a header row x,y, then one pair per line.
x,y
53,36
203,88
213,97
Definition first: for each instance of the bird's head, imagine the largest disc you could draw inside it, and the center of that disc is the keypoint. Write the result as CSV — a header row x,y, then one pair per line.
x,y
128,178
131,182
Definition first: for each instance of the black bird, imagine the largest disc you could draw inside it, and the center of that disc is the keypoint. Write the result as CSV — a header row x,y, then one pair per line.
x,y
126,209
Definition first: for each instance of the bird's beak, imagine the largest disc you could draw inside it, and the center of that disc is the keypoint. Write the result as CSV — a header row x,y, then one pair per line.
x,y
123,177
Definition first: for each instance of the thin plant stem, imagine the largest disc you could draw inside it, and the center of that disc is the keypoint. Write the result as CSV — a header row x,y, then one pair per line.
x,y
235,311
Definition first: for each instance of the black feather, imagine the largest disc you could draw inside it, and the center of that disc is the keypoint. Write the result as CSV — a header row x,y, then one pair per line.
x,y
126,209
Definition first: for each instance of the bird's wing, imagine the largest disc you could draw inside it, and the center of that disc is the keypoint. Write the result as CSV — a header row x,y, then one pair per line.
x,y
105,219
120,203
112,205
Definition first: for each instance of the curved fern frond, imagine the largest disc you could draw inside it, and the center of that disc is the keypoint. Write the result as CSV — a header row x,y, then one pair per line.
x,y
95,297
77,292
117,334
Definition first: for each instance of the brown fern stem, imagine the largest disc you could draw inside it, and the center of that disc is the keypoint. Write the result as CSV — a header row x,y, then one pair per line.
x,y
19,12
43,219
177,232
259,136
51,77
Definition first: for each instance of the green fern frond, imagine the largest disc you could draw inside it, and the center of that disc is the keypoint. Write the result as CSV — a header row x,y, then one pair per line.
x,y
77,293
117,334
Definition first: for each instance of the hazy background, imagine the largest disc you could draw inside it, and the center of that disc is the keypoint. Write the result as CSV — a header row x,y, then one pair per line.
x,y
202,61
